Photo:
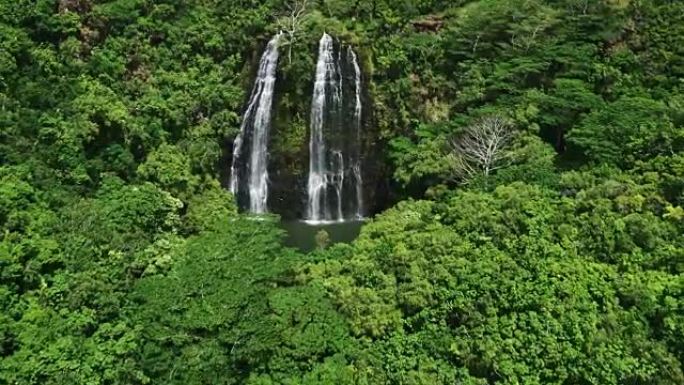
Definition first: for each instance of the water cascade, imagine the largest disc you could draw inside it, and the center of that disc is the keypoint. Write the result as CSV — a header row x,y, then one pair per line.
x,y
249,174
335,190
357,125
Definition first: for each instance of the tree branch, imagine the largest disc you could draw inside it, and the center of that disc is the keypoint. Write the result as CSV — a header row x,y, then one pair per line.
x,y
482,147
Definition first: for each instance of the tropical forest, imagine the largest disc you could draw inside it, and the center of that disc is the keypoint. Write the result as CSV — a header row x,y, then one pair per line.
x,y
341,192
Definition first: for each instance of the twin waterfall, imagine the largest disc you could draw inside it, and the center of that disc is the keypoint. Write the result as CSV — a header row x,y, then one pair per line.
x,y
335,186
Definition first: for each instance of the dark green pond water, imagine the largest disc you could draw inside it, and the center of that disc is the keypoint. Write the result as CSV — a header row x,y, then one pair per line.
x,y
302,235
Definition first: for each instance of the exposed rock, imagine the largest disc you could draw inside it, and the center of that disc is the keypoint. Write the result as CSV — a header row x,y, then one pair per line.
x,y
89,36
77,6
431,23
157,38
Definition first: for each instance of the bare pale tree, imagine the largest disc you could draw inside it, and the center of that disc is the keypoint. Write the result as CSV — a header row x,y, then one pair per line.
x,y
482,147
290,24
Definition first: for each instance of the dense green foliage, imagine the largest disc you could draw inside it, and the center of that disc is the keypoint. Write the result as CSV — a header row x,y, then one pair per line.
x,y
124,261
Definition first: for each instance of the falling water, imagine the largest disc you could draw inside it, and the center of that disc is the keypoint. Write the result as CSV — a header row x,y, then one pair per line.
x,y
334,151
326,72
358,122
252,173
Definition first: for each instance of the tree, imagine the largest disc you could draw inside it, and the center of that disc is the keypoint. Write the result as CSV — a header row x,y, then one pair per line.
x,y
322,239
627,130
169,168
224,312
482,147
124,261
291,23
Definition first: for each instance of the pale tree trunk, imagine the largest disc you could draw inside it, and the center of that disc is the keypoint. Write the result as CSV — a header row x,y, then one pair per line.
x,y
482,148
291,23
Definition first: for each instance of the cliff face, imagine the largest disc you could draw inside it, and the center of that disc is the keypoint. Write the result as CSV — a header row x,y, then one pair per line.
x,y
288,147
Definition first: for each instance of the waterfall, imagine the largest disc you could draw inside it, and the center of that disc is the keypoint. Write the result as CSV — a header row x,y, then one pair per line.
x,y
326,71
335,140
358,122
252,141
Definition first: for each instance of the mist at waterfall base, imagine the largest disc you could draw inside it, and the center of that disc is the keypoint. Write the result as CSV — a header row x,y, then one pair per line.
x,y
302,234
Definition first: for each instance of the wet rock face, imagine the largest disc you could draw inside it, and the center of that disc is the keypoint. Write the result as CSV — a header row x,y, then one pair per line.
x,y
288,194
348,129
431,23
288,169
